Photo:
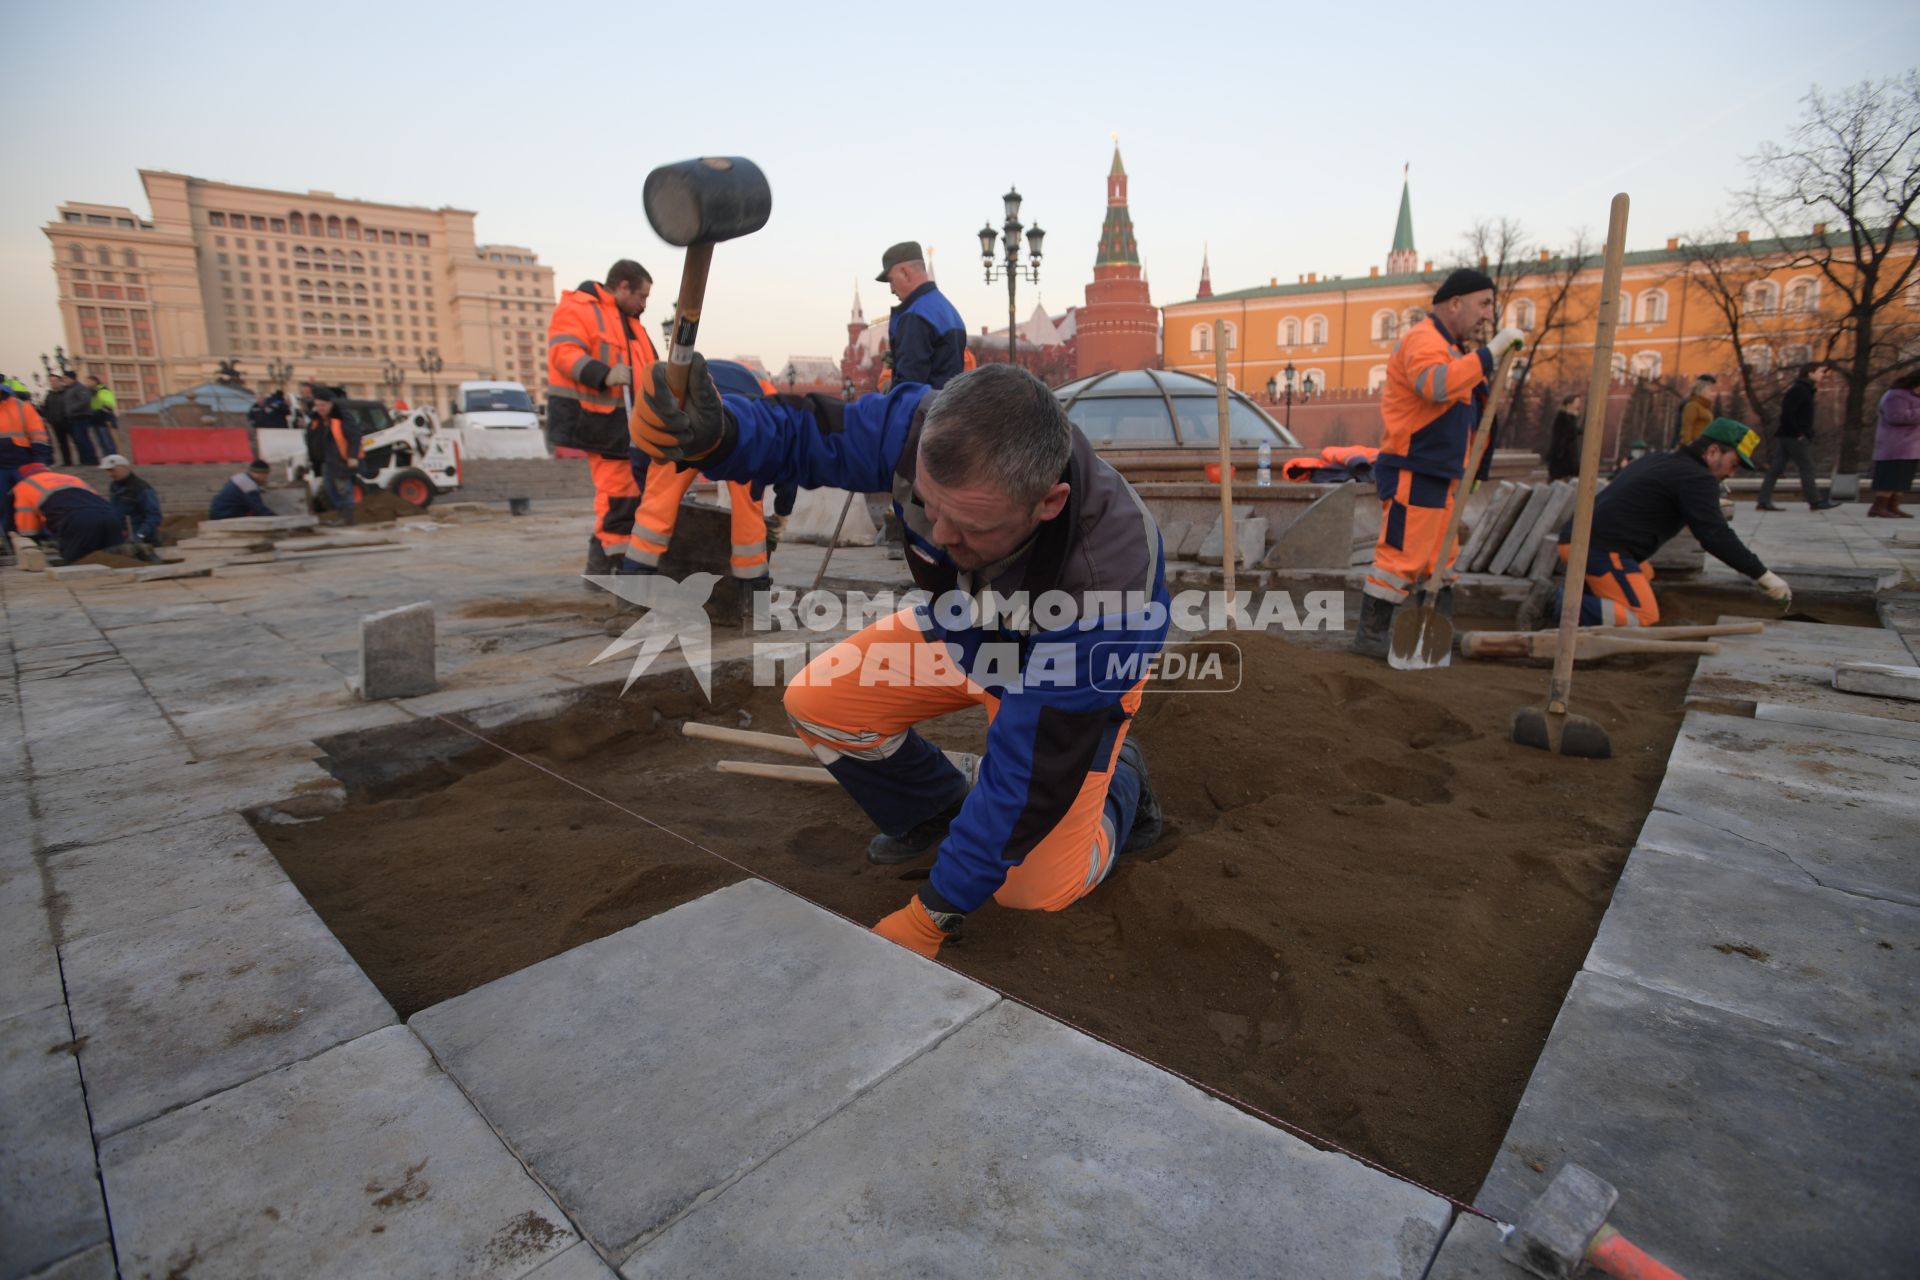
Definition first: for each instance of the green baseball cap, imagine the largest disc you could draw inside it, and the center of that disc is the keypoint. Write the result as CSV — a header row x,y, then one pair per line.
x,y
905,251
1737,436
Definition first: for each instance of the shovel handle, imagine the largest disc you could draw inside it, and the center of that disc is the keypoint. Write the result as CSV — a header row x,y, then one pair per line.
x,y
1594,429
1443,560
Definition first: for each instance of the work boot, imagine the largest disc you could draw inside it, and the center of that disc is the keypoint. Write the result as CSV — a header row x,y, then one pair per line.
x,y
1148,821
1536,608
1825,504
1376,619
890,851
599,563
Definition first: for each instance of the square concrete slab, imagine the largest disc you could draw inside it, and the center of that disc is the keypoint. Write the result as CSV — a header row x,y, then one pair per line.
x,y
1471,1251
364,1161
135,881
79,809
642,1071
1836,807
1736,1153
396,652
92,1264
577,1263
203,999
1019,1147
29,967
1839,721
50,1203
1839,972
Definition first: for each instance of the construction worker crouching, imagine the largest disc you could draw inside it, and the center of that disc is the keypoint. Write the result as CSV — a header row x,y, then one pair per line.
x,y
1638,512
595,355
998,498
52,504
24,441
1435,392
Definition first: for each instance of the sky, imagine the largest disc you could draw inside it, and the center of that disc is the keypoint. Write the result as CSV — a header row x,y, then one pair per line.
x,y
1268,136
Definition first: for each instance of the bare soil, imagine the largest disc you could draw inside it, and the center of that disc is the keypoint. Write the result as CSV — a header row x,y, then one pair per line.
x,y
1363,918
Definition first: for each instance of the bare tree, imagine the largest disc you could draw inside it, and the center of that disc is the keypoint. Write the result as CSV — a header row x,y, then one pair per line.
x,y
1838,198
1733,275
1517,265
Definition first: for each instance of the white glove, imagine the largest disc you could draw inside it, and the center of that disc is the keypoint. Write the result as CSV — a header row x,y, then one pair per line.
x,y
620,376
1776,588
1505,340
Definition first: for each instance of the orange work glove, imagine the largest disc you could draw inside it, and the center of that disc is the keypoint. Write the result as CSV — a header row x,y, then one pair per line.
x,y
913,927
669,431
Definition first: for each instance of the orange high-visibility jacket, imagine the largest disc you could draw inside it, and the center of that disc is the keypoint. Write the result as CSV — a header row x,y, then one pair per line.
x,y
36,489
1334,463
23,435
586,337
1429,407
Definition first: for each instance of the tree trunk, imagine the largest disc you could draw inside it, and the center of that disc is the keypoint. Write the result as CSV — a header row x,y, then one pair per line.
x,y
1853,423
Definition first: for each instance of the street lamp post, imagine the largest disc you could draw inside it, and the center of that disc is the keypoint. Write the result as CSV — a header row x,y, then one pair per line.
x,y
394,376
1288,374
431,364
1011,269
279,373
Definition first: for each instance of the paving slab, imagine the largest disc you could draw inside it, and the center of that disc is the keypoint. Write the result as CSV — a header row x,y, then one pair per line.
x,y
203,999
1737,1153
578,1263
139,880
1097,1164
50,1204
1838,972
364,1161
74,813
1880,679
1838,809
1471,1251
29,966
600,1066
1838,721
90,1264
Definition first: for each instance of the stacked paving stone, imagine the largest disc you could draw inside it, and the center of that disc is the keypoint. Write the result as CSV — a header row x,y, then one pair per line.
x,y
1517,531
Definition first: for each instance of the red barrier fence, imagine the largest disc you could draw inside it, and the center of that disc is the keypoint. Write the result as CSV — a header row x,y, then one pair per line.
x,y
153,445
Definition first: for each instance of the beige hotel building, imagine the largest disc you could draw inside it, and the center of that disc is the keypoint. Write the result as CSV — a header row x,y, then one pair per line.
x,y
340,290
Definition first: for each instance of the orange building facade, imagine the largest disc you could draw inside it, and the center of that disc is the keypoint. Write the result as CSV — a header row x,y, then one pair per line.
x,y
1337,332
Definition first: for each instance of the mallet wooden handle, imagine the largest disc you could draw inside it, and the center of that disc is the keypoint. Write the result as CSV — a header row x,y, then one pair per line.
x,y
779,743
1703,632
686,317
1229,554
784,772
1444,558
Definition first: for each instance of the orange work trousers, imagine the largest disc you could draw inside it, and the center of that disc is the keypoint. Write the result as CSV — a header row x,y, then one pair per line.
x,y
616,496
859,699
660,511
1619,596
1411,523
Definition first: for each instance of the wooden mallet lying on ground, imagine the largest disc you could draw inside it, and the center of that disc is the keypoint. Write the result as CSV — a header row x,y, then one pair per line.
x,y
1566,1229
1601,642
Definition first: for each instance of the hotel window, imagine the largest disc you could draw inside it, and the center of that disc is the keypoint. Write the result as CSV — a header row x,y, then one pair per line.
x,y
216,219
257,222
104,256
77,254
237,220
278,226
421,239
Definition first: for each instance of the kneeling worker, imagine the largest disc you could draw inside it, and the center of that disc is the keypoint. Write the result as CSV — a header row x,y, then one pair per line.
x,y
52,504
240,496
994,492
1639,511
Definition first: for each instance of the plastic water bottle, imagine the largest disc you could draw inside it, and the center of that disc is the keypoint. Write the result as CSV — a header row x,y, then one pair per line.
x,y
1266,464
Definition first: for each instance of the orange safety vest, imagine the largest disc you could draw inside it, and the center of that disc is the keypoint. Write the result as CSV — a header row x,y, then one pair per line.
x,y
587,325
339,428
20,424
1428,408
34,490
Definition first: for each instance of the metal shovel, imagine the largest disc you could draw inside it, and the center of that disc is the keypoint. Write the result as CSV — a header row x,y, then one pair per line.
x,y
1422,636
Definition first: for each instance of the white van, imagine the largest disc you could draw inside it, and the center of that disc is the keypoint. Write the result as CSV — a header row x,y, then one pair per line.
x,y
496,420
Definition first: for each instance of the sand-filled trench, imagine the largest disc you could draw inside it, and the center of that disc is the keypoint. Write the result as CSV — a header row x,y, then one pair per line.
x,y
1365,914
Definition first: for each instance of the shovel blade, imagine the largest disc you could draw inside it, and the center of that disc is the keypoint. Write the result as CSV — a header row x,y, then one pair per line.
x,y
1567,735
1422,637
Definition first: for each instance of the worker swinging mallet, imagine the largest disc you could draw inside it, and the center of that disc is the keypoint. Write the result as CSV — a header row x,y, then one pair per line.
x,y
695,204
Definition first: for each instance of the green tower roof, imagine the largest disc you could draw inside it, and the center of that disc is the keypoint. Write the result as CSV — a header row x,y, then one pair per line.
x,y
1117,247
1403,229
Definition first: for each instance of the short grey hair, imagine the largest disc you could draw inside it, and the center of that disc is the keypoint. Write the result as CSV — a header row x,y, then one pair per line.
x,y
997,426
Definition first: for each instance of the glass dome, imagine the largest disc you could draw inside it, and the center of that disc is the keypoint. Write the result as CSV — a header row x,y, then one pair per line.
x,y
1164,409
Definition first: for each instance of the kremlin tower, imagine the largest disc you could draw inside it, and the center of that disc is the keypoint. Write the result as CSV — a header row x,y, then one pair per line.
x,y
1119,327
1401,259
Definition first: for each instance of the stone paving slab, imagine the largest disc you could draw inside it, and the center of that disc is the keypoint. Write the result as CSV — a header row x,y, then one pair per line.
x,y
78,809
578,1263
1839,809
1838,721
1021,1148
640,1072
135,882
1737,1153
1837,972
364,1161
50,1203
93,1264
29,966
1471,1251
203,999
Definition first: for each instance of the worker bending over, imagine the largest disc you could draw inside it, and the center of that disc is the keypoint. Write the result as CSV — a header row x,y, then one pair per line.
x,y
23,442
1435,393
595,353
994,492
52,504
1635,515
